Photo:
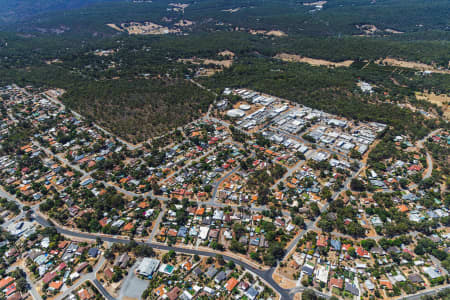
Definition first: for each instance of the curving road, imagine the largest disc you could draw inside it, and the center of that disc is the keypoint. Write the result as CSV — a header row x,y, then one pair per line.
x,y
266,275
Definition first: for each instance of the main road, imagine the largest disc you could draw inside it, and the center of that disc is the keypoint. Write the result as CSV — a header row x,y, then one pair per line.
x,y
265,275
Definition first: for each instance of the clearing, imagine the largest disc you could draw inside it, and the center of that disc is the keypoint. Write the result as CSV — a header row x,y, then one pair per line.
x,y
370,29
393,31
284,282
277,33
145,28
184,23
440,100
210,71
53,61
312,61
411,65
178,7
205,61
232,10
317,3
226,53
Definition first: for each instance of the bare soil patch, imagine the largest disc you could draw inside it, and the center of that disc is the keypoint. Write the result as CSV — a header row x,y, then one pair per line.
x,y
276,33
201,61
317,3
144,28
232,10
440,100
54,61
312,61
370,29
411,65
393,31
283,281
115,27
226,53
397,83
367,29
178,6
104,52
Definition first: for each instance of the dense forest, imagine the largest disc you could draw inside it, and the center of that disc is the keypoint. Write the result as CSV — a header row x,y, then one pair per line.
x,y
331,90
141,80
19,10
336,17
139,109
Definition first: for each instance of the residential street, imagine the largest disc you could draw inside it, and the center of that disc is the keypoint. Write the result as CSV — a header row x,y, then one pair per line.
x,y
84,277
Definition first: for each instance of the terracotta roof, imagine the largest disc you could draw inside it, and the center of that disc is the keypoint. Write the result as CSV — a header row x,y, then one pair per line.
x,y
345,247
128,226
63,244
403,208
49,277
10,289
386,283
109,273
143,204
200,211
362,252
336,282
56,284
322,241
84,294
231,283
160,290
5,281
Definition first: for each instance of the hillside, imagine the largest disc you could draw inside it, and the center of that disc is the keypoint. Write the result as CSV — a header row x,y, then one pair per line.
x,y
105,50
13,11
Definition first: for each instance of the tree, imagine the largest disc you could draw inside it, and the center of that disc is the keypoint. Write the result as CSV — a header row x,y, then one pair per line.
x,y
309,294
22,284
352,252
326,194
231,265
29,214
235,246
220,259
314,209
355,154
357,185
299,221
239,230
109,254
368,244
325,224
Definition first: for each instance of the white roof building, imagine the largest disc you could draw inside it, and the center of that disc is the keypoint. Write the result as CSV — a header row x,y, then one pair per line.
x,y
148,266
235,113
203,232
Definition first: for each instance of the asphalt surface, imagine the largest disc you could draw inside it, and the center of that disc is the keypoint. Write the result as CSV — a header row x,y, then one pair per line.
x,y
266,275
132,286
